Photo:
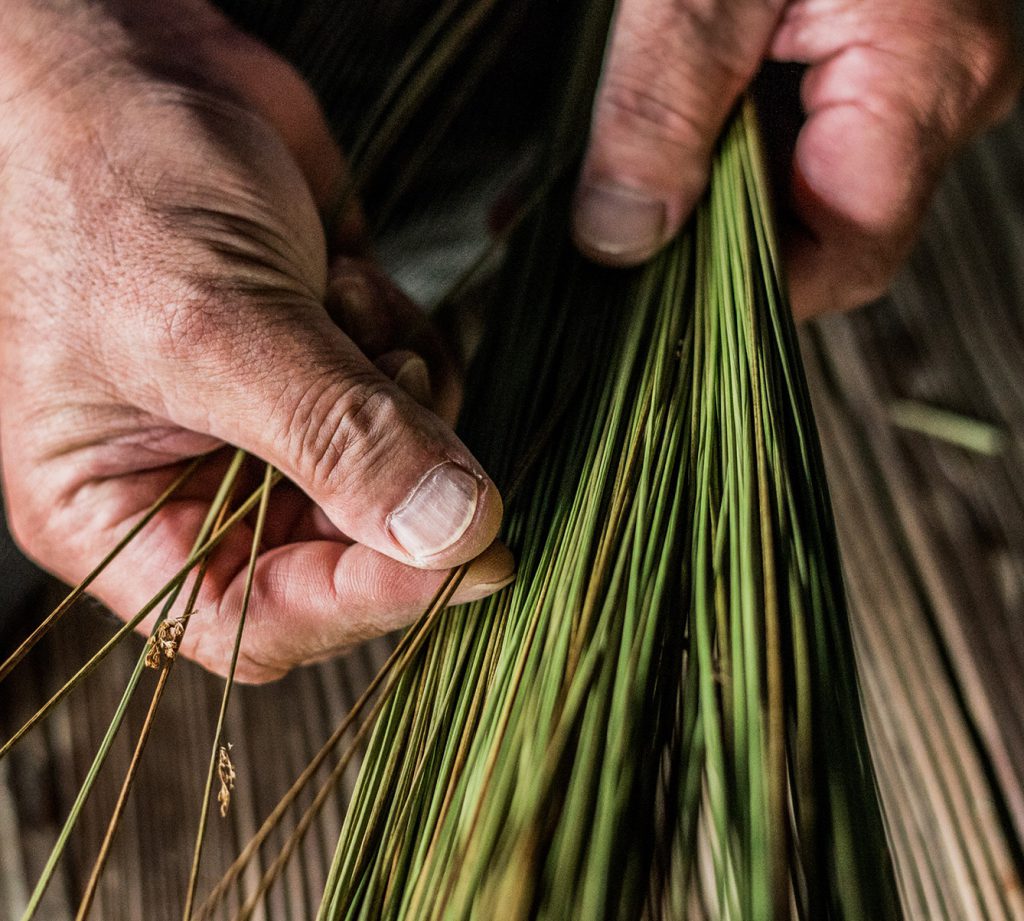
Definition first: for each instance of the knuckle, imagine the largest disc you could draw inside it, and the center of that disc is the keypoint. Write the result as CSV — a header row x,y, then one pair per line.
x,y
999,73
994,56
639,108
989,69
337,428
674,67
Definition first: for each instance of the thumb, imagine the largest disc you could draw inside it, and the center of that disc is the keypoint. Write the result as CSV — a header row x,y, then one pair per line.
x,y
293,389
673,72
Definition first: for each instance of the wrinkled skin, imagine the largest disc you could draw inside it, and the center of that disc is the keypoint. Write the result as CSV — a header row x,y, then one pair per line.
x,y
166,287
162,292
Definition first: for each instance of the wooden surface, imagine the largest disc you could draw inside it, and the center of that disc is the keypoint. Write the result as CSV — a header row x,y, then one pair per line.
x,y
933,541
274,731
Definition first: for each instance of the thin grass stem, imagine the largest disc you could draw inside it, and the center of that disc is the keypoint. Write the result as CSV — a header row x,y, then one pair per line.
x,y
399,659
58,612
217,509
174,583
89,894
257,539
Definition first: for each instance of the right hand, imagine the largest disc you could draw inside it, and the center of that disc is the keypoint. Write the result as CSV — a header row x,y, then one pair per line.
x,y
891,91
163,280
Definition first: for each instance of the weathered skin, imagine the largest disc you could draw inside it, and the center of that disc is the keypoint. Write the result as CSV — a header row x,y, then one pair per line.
x,y
163,283
892,89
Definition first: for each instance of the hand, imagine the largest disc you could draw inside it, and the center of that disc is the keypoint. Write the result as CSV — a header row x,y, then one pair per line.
x,y
893,87
163,280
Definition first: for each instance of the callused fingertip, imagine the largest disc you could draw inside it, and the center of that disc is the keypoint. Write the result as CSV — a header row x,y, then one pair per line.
x,y
490,572
483,590
618,225
414,378
437,513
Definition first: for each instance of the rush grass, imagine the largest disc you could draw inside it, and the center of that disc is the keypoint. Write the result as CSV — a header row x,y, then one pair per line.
x,y
663,711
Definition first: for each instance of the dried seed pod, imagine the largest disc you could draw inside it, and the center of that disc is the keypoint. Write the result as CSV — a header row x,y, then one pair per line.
x,y
163,645
226,775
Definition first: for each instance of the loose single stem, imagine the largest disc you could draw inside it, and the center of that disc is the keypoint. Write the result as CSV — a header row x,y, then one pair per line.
x,y
408,646
423,631
257,539
218,508
215,515
101,859
955,428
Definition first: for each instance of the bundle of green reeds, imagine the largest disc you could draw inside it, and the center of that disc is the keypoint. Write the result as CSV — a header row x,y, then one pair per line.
x,y
663,710
661,717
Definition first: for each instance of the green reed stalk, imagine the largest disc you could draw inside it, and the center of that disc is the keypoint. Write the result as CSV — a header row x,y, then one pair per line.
x,y
661,717
51,619
173,585
229,681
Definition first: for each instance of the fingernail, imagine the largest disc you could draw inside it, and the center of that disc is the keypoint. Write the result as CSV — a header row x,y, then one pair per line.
x,y
414,378
490,572
614,220
437,512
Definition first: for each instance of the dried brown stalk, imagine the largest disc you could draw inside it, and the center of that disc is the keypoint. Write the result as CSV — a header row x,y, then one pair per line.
x,y
408,647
